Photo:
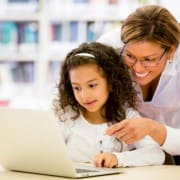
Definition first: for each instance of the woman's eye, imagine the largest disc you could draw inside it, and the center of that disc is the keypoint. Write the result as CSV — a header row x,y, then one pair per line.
x,y
149,60
130,56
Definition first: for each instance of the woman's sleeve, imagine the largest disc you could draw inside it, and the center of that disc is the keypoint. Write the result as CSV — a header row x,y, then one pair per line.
x,y
131,113
112,38
172,142
147,152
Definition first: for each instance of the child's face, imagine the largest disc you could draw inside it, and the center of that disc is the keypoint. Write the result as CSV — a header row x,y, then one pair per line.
x,y
90,87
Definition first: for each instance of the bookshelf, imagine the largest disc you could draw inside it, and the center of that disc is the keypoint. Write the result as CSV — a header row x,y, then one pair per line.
x,y
35,36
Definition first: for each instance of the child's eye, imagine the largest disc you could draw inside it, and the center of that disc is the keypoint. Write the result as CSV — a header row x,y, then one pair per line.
x,y
92,85
76,88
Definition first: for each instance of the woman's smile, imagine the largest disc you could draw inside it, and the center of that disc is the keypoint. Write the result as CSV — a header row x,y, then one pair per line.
x,y
141,75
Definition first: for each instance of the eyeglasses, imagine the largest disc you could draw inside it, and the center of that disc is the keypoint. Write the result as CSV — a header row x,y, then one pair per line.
x,y
146,62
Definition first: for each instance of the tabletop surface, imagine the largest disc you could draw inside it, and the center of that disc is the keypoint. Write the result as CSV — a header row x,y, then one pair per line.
x,y
164,172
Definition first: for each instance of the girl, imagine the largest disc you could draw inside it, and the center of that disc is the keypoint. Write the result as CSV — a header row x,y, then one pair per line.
x,y
95,91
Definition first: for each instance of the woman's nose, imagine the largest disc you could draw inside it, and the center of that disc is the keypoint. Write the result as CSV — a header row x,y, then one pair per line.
x,y
138,66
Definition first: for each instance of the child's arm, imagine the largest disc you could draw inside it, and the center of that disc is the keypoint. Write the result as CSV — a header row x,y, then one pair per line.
x,y
107,160
147,152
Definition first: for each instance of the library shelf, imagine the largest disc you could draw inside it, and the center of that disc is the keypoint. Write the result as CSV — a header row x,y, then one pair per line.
x,y
34,43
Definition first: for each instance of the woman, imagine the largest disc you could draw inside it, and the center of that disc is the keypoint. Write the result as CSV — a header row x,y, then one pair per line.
x,y
150,47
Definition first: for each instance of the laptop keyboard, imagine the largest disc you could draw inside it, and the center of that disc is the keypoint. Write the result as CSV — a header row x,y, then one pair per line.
x,y
85,170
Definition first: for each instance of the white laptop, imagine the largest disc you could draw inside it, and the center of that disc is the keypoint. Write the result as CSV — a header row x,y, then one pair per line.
x,y
31,141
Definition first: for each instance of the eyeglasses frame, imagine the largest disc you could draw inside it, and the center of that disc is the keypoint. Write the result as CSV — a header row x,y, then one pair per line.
x,y
156,63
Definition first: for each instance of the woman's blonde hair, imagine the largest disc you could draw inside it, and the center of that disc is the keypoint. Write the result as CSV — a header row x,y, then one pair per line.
x,y
152,23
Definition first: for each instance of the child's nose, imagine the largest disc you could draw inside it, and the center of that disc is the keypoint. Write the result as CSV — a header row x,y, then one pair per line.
x,y
85,94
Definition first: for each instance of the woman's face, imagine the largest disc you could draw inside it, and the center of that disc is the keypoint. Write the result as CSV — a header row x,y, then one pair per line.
x,y
146,60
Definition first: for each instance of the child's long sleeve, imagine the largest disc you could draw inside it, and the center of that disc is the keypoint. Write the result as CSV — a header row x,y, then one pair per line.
x,y
147,152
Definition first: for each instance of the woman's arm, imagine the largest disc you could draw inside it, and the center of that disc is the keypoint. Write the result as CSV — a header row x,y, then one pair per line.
x,y
158,132
133,129
172,142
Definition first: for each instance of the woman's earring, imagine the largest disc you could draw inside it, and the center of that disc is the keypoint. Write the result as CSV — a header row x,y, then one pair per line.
x,y
170,61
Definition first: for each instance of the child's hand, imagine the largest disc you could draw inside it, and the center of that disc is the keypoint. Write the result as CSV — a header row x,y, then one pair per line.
x,y
107,160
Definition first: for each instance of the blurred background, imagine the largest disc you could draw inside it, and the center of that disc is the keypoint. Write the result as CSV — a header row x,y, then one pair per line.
x,y
35,36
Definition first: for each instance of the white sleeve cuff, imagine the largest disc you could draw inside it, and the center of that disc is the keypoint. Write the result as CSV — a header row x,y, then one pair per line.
x,y
172,142
140,157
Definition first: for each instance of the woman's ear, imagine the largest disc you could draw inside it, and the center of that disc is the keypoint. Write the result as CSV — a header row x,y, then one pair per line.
x,y
171,52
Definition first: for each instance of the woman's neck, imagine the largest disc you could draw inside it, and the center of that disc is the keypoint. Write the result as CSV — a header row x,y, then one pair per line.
x,y
149,89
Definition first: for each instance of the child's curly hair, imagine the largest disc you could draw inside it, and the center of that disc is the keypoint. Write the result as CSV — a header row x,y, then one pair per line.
x,y
122,95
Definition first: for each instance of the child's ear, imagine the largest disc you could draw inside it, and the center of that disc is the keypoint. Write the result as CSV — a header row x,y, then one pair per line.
x,y
110,88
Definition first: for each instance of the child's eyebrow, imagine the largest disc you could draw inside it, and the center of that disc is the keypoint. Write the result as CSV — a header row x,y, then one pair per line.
x,y
89,81
92,80
73,83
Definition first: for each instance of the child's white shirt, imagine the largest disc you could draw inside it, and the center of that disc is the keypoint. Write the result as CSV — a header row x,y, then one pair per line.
x,y
85,140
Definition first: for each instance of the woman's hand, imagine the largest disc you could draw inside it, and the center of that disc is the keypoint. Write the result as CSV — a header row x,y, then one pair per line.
x,y
134,129
107,160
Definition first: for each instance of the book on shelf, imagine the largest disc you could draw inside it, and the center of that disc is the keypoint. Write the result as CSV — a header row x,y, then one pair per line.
x,y
79,31
96,28
15,79
16,72
28,37
19,6
6,84
53,71
22,72
56,32
68,31
67,35
81,1
18,37
8,37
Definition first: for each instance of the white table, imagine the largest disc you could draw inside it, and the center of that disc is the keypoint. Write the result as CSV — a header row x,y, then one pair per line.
x,y
163,172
